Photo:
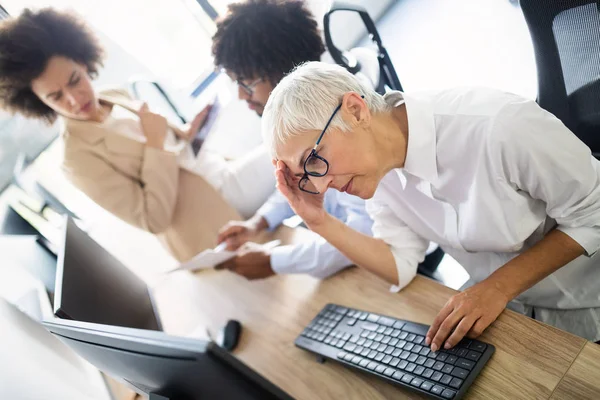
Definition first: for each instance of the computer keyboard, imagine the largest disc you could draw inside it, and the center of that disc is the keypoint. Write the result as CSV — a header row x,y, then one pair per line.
x,y
394,350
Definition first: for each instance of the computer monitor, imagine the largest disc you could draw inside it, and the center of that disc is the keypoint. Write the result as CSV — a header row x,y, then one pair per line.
x,y
164,367
34,364
93,286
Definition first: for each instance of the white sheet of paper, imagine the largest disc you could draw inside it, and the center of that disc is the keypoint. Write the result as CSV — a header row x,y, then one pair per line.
x,y
207,259
212,257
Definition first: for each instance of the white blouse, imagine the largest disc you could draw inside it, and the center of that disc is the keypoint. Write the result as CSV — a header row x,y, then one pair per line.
x,y
487,175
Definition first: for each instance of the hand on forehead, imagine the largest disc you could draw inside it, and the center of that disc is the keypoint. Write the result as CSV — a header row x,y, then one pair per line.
x,y
294,151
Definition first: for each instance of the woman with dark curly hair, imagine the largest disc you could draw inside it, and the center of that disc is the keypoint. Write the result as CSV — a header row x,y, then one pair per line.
x,y
130,161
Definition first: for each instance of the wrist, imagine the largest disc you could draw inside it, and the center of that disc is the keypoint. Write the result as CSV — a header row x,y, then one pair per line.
x,y
155,144
323,225
507,290
258,223
275,262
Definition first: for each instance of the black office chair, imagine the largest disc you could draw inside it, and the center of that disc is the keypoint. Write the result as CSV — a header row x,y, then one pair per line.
x,y
566,40
374,66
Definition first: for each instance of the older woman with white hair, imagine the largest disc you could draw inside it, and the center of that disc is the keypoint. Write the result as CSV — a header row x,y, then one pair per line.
x,y
500,184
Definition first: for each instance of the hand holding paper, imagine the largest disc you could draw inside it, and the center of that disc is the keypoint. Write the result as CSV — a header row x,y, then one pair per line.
x,y
213,257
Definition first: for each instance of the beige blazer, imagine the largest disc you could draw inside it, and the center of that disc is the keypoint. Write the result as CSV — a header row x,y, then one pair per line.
x,y
143,186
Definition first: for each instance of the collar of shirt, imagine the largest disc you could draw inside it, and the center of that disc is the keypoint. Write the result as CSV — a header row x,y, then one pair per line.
x,y
421,152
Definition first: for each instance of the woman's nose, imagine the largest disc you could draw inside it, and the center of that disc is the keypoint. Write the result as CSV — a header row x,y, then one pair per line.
x,y
71,99
242,94
321,183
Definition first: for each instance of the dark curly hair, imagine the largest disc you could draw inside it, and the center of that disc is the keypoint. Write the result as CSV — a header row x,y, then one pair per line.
x,y
26,45
266,38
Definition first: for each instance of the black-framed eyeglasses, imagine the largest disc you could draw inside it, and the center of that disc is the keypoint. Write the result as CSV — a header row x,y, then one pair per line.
x,y
315,165
249,89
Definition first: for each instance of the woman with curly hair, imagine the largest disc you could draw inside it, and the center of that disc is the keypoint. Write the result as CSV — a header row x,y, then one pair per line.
x,y
129,160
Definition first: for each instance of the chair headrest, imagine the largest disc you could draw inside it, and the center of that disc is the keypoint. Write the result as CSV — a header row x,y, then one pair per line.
x,y
369,66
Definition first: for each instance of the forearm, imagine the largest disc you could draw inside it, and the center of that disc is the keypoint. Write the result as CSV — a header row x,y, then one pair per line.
x,y
317,258
366,252
554,251
275,211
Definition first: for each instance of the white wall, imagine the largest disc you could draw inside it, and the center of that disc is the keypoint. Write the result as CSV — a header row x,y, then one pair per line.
x,y
119,65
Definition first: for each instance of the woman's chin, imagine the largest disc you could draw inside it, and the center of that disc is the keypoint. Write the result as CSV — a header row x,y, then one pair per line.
x,y
364,192
78,116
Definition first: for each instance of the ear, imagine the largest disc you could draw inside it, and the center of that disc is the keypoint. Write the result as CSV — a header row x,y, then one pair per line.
x,y
354,109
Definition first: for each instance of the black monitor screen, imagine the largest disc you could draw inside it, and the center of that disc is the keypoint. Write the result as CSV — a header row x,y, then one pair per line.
x,y
93,286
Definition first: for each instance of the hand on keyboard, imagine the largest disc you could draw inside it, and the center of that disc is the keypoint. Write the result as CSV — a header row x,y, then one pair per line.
x,y
467,314
394,350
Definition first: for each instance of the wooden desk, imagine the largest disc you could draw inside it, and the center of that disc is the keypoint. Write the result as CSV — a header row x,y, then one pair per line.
x,y
582,380
530,360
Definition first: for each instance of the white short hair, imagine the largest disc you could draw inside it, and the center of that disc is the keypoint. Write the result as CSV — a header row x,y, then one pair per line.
x,y
305,99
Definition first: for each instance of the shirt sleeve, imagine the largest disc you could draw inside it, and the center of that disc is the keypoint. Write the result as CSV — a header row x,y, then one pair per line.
x,y
538,154
275,210
406,246
319,258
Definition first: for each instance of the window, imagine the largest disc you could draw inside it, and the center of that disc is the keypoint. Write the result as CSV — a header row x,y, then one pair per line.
x,y
220,6
21,140
170,38
167,39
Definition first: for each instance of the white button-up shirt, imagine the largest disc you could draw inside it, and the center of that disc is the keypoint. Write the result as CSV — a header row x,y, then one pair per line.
x,y
487,175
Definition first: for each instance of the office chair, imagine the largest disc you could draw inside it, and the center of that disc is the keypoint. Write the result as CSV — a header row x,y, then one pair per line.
x,y
566,40
365,63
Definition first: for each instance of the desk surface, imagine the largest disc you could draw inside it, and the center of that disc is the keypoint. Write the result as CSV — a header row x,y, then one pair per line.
x,y
530,360
582,380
